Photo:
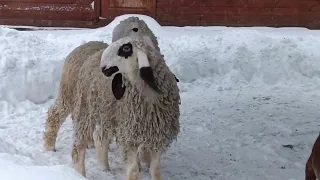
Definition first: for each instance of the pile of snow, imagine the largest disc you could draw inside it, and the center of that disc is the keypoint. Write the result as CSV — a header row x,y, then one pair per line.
x,y
228,58
11,171
245,92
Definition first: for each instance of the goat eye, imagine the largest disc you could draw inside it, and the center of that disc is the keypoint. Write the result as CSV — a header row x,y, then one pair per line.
x,y
125,50
135,29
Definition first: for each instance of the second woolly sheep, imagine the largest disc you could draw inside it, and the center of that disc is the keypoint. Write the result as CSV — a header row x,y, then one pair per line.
x,y
134,26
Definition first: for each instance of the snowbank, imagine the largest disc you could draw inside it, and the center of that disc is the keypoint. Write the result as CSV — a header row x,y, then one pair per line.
x,y
11,171
229,58
16,165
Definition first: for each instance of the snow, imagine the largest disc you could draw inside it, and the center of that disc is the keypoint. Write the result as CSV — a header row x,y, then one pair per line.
x,y
246,92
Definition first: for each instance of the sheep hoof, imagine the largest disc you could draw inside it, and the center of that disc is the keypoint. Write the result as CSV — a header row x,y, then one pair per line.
x,y
106,170
50,148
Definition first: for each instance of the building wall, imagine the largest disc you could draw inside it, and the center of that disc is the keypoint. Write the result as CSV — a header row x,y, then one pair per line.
x,y
61,13
79,13
274,13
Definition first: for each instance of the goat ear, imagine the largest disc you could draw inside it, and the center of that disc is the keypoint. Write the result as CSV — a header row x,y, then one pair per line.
x,y
146,72
118,89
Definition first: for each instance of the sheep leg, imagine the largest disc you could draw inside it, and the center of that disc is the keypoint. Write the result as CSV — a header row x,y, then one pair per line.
x,y
78,156
146,157
133,169
102,148
155,165
57,114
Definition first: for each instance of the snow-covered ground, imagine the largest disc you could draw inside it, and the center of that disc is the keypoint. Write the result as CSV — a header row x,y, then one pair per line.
x,y
245,92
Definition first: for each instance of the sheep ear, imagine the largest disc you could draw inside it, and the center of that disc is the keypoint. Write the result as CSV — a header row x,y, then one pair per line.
x,y
176,78
146,72
118,89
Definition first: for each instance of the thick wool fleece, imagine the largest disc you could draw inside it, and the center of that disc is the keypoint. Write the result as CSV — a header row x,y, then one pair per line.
x,y
147,119
66,99
92,100
124,28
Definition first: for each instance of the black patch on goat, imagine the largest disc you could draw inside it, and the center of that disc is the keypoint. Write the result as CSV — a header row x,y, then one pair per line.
x,y
109,71
125,50
135,29
147,75
117,89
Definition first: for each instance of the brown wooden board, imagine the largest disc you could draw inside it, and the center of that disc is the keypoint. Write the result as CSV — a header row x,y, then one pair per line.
x,y
112,8
49,23
10,6
43,1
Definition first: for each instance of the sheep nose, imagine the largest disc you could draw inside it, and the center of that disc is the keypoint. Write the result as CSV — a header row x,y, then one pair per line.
x,y
135,29
109,71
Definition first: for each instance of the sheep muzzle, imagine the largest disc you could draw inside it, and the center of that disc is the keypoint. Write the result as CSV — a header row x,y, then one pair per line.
x,y
109,71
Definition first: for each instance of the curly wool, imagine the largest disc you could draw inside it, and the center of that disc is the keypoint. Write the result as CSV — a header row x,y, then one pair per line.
x,y
93,101
147,119
124,28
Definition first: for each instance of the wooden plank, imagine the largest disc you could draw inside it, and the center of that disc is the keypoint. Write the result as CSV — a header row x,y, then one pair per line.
x,y
42,15
45,7
42,1
49,23
97,9
228,10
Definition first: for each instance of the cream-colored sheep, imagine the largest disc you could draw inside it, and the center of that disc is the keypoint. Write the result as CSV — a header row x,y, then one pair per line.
x,y
131,26
144,115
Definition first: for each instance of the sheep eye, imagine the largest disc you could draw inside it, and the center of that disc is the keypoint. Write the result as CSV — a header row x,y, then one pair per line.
x,y
125,50
135,29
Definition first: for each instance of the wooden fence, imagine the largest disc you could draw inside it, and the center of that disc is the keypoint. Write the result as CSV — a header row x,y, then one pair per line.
x,y
95,13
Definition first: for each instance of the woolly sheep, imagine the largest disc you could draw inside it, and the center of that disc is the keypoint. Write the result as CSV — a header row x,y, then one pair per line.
x,y
97,102
124,28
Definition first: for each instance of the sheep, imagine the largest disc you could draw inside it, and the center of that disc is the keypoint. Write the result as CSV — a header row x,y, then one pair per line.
x,y
95,103
312,170
147,108
131,26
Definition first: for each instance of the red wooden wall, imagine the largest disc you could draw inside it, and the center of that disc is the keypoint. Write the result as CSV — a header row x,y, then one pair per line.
x,y
79,13
305,13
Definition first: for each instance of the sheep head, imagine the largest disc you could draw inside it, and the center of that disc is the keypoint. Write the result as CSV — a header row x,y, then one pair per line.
x,y
125,58
133,26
